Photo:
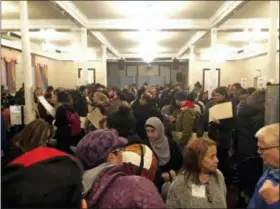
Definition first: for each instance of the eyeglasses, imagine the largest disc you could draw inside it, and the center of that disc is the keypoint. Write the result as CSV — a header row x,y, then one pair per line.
x,y
267,148
117,150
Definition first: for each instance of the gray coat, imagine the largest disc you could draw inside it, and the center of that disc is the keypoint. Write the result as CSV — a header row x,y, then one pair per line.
x,y
180,194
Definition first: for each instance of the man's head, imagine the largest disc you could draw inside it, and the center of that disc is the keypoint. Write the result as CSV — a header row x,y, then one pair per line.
x,y
180,98
114,92
43,178
268,144
100,146
243,95
236,88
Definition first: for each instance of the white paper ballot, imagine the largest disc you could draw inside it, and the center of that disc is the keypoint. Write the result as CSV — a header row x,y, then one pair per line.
x,y
221,111
83,122
47,106
94,117
15,114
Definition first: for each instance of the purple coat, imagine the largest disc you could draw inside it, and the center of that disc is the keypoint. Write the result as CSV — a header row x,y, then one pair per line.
x,y
114,186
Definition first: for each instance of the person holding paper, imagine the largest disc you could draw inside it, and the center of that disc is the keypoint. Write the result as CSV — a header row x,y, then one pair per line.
x,y
221,132
200,184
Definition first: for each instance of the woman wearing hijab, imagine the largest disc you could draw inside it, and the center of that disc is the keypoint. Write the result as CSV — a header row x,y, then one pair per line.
x,y
166,150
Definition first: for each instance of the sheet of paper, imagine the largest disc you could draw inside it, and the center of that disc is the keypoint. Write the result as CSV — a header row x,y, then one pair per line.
x,y
83,121
15,114
94,117
47,106
221,111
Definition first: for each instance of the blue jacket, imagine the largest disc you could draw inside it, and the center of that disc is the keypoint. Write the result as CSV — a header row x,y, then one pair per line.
x,y
256,201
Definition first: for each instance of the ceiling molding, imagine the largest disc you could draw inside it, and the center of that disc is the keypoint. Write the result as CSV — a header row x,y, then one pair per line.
x,y
224,12
195,38
238,24
69,9
59,24
133,25
106,43
134,55
35,49
218,18
230,25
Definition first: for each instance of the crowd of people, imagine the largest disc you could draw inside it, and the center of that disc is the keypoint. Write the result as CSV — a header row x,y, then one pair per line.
x,y
153,148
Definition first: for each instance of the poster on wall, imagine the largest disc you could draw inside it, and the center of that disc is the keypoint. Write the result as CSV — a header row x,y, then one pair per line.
x,y
211,81
16,115
261,82
243,82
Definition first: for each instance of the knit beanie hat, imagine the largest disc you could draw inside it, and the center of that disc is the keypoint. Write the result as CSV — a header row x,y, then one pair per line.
x,y
181,96
42,178
94,148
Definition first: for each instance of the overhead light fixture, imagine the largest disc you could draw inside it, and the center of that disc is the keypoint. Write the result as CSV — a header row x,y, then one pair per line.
x,y
48,47
8,7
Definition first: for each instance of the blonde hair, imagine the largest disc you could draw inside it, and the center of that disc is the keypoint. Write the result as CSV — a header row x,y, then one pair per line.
x,y
102,98
270,134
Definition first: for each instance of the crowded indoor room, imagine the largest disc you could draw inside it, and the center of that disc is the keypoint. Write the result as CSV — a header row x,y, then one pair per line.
x,y
140,104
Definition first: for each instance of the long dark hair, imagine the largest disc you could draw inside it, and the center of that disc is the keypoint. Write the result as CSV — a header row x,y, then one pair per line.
x,y
194,155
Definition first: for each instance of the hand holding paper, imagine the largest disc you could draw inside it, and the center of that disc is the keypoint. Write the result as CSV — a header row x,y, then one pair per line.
x,y
220,111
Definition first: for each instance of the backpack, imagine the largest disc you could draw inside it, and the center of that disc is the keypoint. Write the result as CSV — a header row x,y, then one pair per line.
x,y
184,129
199,125
75,122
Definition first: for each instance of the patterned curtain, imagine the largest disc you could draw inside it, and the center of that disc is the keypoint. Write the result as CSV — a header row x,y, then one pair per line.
x,y
11,75
3,72
45,76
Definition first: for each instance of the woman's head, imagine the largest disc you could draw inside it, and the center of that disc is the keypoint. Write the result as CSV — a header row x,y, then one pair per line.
x,y
61,97
122,121
154,129
220,94
201,156
100,99
35,134
146,98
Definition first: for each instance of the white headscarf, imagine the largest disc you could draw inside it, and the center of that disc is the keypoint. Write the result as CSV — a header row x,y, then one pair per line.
x,y
159,145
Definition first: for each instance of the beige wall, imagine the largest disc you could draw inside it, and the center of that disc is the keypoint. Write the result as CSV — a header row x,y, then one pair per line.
x,y
232,71
62,73
65,73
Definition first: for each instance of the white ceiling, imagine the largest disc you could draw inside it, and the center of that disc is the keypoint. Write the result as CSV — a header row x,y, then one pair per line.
x,y
37,10
130,9
126,41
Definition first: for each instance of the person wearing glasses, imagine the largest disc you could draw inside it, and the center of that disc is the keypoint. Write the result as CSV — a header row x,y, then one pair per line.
x,y
108,181
266,194
200,184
